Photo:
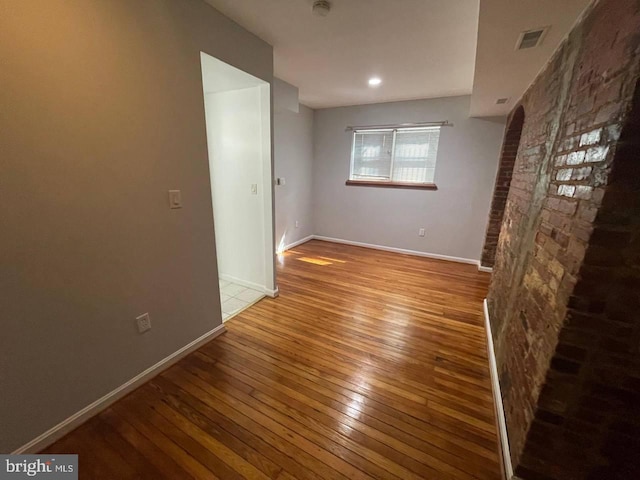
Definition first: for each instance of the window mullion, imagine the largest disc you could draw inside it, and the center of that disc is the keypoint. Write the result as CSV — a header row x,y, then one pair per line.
x,y
393,155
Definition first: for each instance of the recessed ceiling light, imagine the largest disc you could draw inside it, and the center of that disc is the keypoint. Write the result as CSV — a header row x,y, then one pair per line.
x,y
374,81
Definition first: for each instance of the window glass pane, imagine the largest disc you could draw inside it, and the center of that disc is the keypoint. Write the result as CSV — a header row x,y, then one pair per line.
x,y
415,155
372,155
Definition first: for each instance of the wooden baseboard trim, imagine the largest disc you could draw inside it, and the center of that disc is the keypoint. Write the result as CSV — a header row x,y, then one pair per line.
x,y
503,438
78,418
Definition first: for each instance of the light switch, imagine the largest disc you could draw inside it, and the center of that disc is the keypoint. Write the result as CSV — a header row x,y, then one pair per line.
x,y
280,181
254,189
175,199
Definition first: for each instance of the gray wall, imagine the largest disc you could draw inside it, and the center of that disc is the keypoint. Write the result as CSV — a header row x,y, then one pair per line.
x,y
293,160
454,216
102,113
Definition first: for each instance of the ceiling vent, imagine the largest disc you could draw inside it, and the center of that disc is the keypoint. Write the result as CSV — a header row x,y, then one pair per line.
x,y
502,101
531,38
321,8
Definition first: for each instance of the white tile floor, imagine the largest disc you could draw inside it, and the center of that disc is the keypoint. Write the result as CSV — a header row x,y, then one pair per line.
x,y
236,298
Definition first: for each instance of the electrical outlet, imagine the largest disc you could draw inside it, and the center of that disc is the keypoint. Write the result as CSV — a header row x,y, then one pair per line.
x,y
144,323
421,232
297,223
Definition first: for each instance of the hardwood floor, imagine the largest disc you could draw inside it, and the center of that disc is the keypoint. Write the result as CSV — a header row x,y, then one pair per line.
x,y
369,365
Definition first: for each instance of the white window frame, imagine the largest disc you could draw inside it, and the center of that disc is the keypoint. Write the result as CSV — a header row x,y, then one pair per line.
x,y
388,181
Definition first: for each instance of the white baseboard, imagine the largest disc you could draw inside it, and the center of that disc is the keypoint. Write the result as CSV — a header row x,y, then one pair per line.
x,y
399,250
497,400
246,283
298,242
78,418
272,293
417,253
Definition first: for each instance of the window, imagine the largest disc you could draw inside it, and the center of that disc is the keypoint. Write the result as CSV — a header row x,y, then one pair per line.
x,y
394,157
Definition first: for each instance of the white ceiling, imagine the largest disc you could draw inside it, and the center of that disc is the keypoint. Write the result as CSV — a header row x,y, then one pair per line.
x,y
501,71
420,48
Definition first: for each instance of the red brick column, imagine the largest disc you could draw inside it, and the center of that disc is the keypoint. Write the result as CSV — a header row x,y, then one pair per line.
x,y
587,422
564,299
503,182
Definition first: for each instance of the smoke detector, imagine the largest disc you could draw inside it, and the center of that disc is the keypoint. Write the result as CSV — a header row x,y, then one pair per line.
x,y
321,8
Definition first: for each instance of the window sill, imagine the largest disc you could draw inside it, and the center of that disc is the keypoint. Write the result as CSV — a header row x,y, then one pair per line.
x,y
368,183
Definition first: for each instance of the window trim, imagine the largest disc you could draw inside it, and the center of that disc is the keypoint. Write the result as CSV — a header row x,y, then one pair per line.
x,y
387,183
378,183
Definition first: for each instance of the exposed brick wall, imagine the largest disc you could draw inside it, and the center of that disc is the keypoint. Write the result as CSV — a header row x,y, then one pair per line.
x,y
503,181
561,185
587,424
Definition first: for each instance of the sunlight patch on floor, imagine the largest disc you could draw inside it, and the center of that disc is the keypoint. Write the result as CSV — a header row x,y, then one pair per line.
x,y
315,261
334,259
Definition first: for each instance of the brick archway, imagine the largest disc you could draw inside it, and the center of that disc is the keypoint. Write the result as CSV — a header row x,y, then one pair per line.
x,y
503,182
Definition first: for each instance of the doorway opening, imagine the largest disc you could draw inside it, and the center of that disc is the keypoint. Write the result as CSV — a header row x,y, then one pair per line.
x,y
238,120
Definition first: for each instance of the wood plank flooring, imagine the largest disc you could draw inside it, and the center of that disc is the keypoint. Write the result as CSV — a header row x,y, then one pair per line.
x,y
369,365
